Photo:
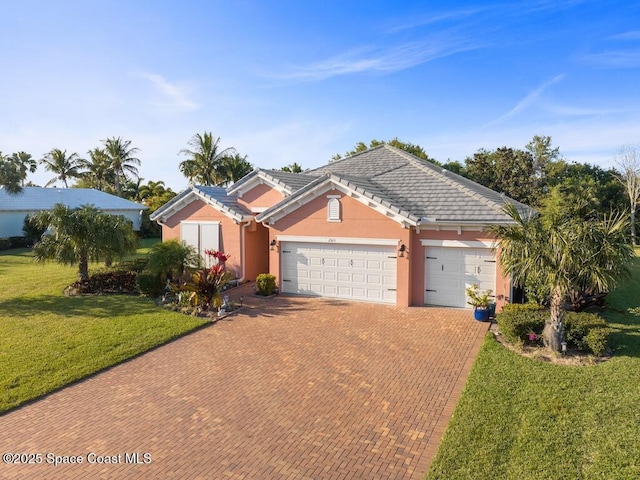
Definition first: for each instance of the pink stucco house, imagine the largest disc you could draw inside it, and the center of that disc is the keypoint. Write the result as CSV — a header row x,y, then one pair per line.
x,y
379,226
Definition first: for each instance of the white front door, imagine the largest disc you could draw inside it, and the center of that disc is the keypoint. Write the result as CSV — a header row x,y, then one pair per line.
x,y
450,270
356,272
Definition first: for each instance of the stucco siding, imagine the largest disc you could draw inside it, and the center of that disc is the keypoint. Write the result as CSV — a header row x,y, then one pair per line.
x,y
261,196
229,231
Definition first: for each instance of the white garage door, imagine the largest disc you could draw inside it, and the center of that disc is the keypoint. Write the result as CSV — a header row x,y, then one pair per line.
x,y
356,272
449,271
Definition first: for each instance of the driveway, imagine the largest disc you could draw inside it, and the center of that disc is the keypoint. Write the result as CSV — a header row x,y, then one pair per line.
x,y
288,388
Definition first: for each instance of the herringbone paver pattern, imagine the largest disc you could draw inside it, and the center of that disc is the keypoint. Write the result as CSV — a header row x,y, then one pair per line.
x,y
289,388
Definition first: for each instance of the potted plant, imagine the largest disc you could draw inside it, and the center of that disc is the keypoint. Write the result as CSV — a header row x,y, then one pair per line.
x,y
482,301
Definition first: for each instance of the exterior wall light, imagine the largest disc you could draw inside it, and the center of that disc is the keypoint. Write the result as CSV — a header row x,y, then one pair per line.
x,y
402,250
273,244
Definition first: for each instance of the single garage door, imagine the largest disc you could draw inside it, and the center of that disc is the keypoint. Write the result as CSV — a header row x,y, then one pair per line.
x,y
450,270
355,272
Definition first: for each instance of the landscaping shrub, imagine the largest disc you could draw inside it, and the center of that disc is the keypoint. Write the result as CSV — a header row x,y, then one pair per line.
x,y
5,243
586,331
135,265
598,340
149,284
521,307
169,259
516,321
107,282
32,232
18,242
204,288
266,284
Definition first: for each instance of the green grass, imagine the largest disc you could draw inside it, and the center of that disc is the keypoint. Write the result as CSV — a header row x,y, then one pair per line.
x,y
519,418
49,340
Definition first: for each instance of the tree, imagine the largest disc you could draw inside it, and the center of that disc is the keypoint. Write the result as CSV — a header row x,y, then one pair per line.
x,y
121,160
81,235
628,161
62,165
204,159
504,170
408,147
542,154
233,168
25,163
564,253
292,168
98,172
10,175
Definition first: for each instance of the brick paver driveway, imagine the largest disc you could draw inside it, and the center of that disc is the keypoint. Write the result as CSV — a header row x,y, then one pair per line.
x,y
290,387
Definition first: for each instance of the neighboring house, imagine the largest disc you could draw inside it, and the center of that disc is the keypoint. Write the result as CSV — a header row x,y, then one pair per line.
x,y
380,226
14,208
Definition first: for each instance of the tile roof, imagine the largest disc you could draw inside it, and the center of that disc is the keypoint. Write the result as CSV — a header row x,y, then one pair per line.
x,y
420,187
39,198
290,182
215,196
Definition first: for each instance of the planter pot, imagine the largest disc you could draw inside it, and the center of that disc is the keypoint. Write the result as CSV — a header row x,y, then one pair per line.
x,y
481,314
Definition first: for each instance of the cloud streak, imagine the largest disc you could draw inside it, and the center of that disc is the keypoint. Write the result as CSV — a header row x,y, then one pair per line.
x,y
389,60
527,101
173,96
615,59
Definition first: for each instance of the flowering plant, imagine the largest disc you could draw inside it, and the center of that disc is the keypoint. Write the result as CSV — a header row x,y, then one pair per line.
x,y
219,256
206,284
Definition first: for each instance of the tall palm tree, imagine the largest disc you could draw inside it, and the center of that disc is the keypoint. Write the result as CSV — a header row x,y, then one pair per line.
x,y
64,166
122,159
204,159
565,254
233,168
10,177
98,174
25,163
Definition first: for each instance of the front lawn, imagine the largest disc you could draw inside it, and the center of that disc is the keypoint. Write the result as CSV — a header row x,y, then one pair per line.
x,y
49,340
519,418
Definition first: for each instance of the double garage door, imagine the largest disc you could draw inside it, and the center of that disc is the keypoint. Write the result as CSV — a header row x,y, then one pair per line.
x,y
355,272
450,270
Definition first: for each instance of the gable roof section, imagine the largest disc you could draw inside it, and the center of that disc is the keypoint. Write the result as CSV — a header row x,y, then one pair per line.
x,y
285,182
40,198
429,192
358,188
216,197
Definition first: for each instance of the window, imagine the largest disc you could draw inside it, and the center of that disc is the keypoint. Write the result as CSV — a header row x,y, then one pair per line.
x,y
333,209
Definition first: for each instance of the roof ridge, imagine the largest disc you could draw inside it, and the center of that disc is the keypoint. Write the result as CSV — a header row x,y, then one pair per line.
x,y
348,157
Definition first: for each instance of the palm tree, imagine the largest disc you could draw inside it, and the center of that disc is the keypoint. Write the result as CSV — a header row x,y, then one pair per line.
x,y
122,160
63,166
204,159
25,163
233,168
564,253
99,174
151,189
81,235
10,176
294,167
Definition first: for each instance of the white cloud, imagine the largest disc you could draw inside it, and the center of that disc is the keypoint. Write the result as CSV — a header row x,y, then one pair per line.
x,y
614,59
529,100
631,35
385,60
172,96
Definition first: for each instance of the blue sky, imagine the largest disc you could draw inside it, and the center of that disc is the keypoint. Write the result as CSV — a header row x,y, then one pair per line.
x,y
298,81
